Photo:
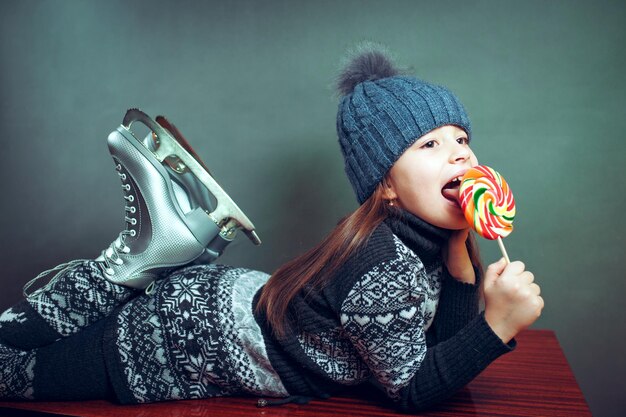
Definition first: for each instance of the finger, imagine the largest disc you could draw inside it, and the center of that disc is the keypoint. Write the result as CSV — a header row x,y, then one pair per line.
x,y
541,302
535,289
527,277
515,267
494,270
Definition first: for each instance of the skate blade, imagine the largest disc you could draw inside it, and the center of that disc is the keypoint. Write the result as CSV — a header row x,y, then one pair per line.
x,y
178,136
170,151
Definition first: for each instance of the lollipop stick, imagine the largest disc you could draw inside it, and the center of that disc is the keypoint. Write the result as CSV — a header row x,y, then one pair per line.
x,y
503,250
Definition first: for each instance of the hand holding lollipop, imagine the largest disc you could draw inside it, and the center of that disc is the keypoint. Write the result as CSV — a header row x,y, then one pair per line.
x,y
488,204
512,298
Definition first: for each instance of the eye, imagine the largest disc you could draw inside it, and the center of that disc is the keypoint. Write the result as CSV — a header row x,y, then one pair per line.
x,y
463,140
429,144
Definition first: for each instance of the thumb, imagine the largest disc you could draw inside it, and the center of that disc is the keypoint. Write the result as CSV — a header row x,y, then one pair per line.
x,y
494,270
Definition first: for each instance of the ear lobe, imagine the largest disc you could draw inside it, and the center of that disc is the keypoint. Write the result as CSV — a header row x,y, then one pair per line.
x,y
390,192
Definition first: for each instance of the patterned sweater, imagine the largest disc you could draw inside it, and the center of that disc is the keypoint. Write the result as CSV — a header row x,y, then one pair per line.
x,y
392,318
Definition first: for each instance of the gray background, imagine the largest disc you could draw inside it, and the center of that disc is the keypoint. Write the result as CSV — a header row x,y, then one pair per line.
x,y
250,84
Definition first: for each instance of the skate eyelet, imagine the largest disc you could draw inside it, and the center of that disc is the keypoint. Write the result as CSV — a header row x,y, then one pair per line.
x,y
133,221
131,198
133,209
118,167
126,187
150,288
109,271
133,233
123,177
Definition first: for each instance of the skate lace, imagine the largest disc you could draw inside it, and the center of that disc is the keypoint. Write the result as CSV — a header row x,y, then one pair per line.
x,y
111,255
61,268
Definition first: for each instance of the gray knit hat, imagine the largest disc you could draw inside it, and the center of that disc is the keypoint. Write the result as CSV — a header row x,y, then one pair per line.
x,y
382,113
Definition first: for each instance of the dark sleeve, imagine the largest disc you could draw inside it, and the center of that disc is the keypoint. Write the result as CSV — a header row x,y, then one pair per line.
x,y
458,305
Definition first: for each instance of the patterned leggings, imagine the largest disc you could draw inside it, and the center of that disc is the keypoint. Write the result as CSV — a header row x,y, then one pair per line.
x,y
194,337
51,342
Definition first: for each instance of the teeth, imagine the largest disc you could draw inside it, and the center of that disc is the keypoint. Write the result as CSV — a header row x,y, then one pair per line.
x,y
454,181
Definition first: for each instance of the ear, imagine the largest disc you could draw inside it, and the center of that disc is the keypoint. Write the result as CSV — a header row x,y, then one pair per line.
x,y
389,189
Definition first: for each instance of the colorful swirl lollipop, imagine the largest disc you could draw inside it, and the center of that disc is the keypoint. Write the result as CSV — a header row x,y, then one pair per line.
x,y
487,203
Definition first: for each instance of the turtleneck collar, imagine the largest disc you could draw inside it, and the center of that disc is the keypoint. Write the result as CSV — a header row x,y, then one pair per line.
x,y
423,238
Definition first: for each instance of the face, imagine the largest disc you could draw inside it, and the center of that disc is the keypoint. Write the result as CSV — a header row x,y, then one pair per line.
x,y
422,181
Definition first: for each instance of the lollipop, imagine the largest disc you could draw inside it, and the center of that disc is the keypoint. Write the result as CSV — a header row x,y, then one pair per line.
x,y
488,204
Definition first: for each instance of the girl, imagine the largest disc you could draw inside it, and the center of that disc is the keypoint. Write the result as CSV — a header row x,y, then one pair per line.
x,y
388,300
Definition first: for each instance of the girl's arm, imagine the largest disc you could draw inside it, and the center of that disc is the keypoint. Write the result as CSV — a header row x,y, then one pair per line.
x,y
384,316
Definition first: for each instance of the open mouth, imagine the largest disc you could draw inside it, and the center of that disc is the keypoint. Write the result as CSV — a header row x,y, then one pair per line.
x,y
451,190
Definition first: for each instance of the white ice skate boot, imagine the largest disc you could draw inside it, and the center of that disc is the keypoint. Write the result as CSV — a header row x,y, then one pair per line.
x,y
162,232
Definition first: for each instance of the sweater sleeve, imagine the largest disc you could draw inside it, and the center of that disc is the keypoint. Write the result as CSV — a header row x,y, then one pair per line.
x,y
458,305
384,317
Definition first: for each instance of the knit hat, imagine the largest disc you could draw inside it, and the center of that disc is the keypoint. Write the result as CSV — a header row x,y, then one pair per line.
x,y
382,112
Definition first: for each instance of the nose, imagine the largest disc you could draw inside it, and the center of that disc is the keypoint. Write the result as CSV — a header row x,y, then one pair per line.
x,y
459,153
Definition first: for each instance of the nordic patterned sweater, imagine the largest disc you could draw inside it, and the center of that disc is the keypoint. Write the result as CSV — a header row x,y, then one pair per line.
x,y
391,318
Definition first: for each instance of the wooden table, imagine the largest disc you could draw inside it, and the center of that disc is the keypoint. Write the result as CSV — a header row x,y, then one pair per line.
x,y
534,380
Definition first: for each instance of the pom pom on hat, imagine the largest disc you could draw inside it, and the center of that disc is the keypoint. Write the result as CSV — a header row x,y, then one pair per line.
x,y
369,64
382,112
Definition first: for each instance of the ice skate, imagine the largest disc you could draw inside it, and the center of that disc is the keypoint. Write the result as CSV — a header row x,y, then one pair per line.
x,y
168,214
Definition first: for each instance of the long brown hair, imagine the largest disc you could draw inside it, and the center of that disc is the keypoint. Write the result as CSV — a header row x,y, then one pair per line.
x,y
314,268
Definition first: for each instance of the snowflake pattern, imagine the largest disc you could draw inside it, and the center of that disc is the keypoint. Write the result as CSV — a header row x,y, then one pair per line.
x,y
197,337
141,348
